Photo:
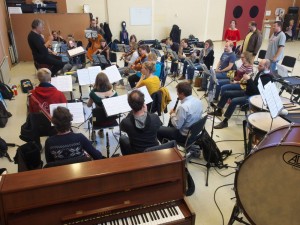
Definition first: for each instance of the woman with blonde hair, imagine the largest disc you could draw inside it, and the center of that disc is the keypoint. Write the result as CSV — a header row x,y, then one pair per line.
x,y
147,79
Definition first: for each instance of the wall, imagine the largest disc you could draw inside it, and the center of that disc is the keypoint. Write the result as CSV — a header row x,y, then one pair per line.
x,y
4,42
202,18
274,4
67,23
61,5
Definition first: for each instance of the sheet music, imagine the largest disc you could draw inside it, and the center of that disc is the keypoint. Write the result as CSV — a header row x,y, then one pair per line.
x,y
93,72
76,51
262,91
113,74
273,100
75,108
115,105
148,98
62,83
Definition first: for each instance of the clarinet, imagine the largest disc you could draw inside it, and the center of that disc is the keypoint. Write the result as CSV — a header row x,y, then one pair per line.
x,y
107,146
170,123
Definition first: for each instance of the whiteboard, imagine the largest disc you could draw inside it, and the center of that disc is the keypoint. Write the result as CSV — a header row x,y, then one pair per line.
x,y
140,16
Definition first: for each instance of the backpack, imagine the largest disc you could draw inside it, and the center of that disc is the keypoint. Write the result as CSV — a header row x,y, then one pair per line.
x,y
26,85
28,157
4,115
3,149
6,91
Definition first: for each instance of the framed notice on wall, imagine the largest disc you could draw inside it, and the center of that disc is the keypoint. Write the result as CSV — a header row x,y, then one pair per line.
x,y
140,16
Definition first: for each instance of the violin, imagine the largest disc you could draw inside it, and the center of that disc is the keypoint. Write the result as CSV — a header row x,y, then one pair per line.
x,y
94,47
137,65
127,54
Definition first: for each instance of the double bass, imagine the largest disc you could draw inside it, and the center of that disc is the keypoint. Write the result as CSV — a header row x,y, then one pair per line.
x,y
95,45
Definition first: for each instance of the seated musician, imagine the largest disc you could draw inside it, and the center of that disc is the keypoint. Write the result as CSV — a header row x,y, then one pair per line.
x,y
189,112
206,57
102,89
148,78
143,53
153,58
132,39
105,51
140,126
240,97
39,47
234,82
185,51
66,144
174,47
45,93
131,56
57,37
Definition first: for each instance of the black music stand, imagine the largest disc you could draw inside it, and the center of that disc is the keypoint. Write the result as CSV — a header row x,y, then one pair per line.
x,y
174,58
191,64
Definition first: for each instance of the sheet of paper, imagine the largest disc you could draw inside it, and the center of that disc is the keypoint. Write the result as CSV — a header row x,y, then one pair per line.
x,y
62,83
262,91
113,74
93,72
76,109
54,106
273,100
83,77
76,51
148,98
115,105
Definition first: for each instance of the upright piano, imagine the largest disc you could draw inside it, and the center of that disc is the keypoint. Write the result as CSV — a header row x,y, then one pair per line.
x,y
146,188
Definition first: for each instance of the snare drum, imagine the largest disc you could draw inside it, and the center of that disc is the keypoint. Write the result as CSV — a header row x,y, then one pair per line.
x,y
256,103
259,124
267,182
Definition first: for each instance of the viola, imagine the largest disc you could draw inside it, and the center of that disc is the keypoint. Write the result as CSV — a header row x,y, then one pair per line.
x,y
94,47
137,65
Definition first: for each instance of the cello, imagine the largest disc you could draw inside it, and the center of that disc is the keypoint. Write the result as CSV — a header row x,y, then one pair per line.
x,y
95,45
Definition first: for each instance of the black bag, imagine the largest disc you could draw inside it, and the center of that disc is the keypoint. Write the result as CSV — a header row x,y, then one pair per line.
x,y
211,152
26,85
4,148
28,157
6,91
4,115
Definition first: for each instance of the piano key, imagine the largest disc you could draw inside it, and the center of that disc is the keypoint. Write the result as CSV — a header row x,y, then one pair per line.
x,y
131,220
157,216
175,210
146,217
141,218
137,219
164,211
179,212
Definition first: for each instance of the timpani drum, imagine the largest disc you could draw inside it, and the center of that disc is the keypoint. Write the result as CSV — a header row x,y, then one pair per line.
x,y
256,103
267,182
259,124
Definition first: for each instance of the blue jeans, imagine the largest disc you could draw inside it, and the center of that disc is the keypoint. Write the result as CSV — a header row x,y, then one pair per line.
x,y
221,82
228,87
185,65
191,71
219,76
237,98
273,67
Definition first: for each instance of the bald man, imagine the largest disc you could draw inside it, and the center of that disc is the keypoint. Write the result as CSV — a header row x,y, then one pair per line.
x,y
240,97
45,93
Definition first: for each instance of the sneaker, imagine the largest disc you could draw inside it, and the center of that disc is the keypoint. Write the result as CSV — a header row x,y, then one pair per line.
x,y
216,113
221,125
181,78
101,133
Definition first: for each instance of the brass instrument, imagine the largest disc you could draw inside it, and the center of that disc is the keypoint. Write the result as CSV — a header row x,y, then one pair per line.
x,y
243,82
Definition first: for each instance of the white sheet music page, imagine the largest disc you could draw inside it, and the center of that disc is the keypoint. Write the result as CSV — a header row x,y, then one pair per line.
x,y
83,77
271,100
115,105
62,83
76,109
148,98
93,72
113,74
76,51
262,91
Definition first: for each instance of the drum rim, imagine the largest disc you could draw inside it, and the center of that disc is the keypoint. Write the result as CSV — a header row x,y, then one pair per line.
x,y
259,149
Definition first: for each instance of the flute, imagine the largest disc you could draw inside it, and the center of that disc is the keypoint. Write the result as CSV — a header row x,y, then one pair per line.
x,y
170,122
107,146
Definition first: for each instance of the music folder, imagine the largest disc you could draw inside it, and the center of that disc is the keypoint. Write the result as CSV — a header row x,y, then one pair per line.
x,y
91,33
75,108
119,104
76,51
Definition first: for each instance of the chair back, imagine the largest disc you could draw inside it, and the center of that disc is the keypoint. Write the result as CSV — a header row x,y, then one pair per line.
x,y
289,61
169,144
113,57
67,161
195,131
101,119
262,54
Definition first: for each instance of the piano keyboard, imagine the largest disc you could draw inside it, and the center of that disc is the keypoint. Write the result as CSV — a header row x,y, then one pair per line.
x,y
159,216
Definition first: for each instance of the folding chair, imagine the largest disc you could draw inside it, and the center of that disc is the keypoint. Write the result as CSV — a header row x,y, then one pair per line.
x,y
289,61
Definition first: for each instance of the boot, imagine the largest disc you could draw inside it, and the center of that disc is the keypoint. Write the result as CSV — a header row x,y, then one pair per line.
x,y
190,81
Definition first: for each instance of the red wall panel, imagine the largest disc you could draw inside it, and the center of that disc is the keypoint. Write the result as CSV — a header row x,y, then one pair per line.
x,y
243,21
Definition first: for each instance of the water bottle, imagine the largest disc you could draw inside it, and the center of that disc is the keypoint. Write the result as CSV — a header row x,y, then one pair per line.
x,y
15,90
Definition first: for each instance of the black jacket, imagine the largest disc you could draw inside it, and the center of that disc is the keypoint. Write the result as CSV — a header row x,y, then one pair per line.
x,y
252,85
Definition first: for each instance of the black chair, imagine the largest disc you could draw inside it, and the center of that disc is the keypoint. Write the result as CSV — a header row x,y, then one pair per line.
x,y
289,61
261,55
67,161
113,57
194,134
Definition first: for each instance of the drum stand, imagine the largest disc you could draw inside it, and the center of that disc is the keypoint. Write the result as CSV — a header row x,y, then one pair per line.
x,y
234,216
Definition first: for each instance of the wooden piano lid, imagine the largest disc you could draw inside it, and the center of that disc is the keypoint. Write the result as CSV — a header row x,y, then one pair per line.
x,y
87,170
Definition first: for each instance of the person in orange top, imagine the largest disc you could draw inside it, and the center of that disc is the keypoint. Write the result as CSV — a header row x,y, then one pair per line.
x,y
232,33
147,79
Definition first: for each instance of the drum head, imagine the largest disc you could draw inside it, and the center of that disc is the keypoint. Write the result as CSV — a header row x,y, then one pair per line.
x,y
267,186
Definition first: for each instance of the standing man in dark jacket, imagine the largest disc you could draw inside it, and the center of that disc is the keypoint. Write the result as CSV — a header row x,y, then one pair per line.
x,y
140,126
240,97
253,39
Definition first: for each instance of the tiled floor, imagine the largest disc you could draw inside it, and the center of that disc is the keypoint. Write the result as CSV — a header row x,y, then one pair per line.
x,y
202,201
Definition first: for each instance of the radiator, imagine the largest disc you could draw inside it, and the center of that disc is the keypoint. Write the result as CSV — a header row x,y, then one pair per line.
x,y
4,71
